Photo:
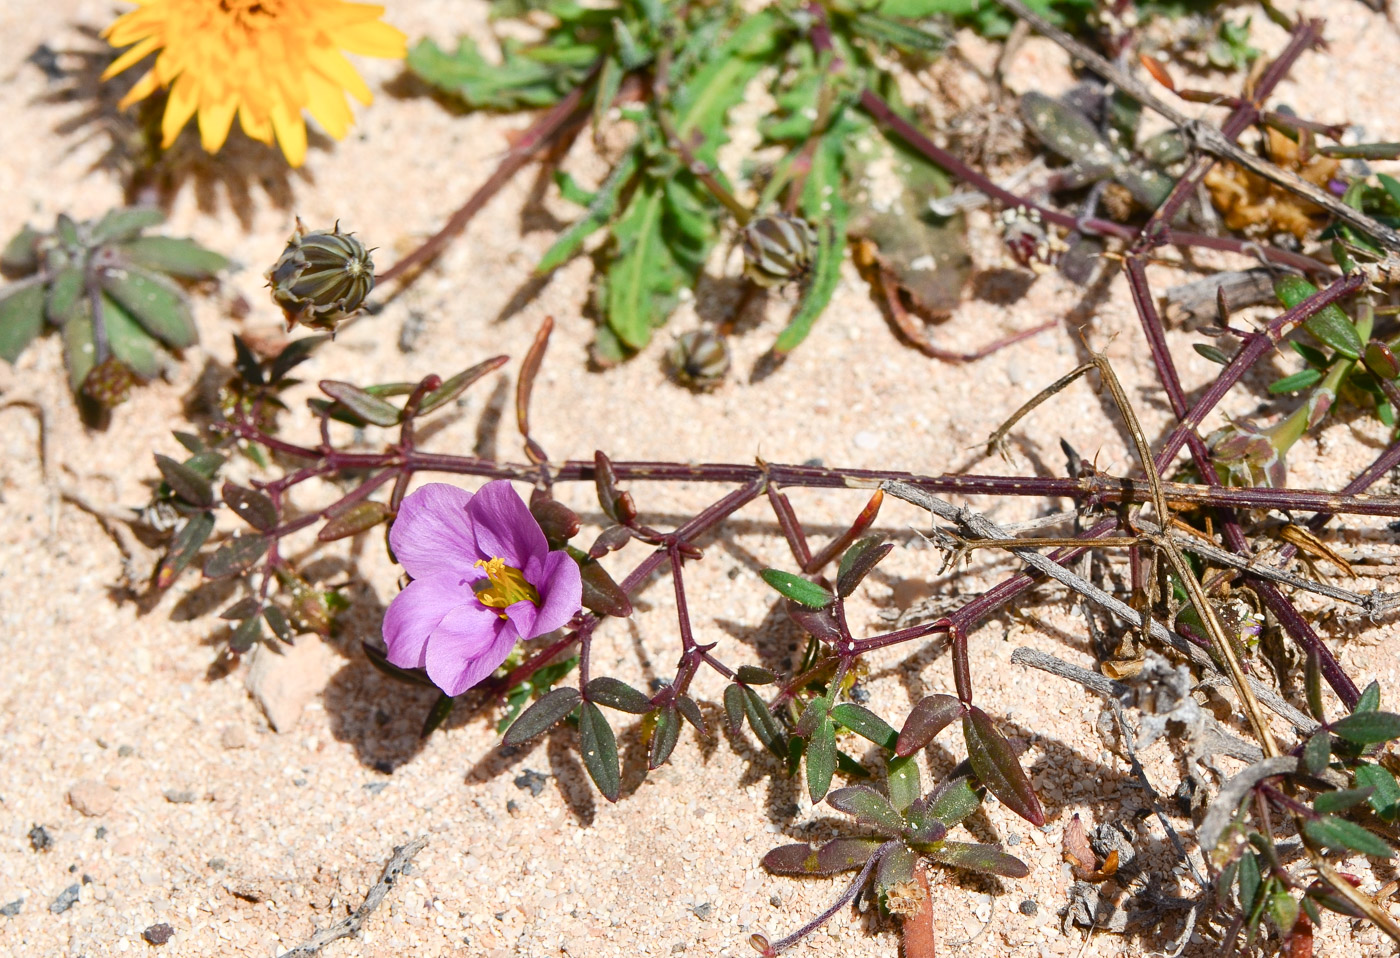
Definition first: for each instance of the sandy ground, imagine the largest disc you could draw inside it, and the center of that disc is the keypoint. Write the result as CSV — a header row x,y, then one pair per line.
x,y
244,840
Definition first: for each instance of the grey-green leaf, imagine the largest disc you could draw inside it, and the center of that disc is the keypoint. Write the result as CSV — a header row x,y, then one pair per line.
x,y
616,694
367,406
185,482
123,224
821,758
797,588
237,554
542,715
868,807
599,748
174,257
664,736
1342,835
21,317
160,308
251,506
358,518
838,855
1368,728
128,341
981,858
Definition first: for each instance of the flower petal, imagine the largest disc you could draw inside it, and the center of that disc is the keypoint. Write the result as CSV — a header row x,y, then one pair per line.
x,y
503,525
466,647
433,532
417,611
561,592
291,133
214,121
184,100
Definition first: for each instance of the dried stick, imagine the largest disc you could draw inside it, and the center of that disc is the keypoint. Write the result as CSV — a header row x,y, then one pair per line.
x,y
403,856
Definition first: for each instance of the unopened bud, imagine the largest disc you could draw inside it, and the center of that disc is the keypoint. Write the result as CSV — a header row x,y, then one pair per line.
x,y
322,277
778,249
699,359
109,383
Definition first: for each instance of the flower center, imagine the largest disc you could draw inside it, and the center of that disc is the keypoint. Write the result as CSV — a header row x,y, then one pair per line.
x,y
503,586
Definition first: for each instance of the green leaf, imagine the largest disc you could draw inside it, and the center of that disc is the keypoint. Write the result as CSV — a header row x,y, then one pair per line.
x,y
930,715
174,257
251,506
21,316
691,713
599,748
1249,879
821,758
454,387
1368,728
1213,353
67,296
248,634
20,257
980,858
294,354
826,265
762,721
734,707
896,867
1299,380
1342,835
128,341
124,224
838,855
1283,911
600,593
438,714
753,675
664,736
540,717
903,781
362,403
1385,792
160,308
520,81
1317,752
236,555
1370,698
79,349
798,589
1341,800
277,621
643,275
601,208
865,723
360,517
616,694
951,802
1329,325
902,36
185,482
996,765
868,807
185,546
858,561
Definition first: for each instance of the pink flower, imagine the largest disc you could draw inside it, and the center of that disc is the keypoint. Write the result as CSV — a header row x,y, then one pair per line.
x,y
483,579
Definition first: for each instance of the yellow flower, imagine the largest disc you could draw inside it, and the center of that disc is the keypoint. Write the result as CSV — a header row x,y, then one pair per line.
x,y
266,60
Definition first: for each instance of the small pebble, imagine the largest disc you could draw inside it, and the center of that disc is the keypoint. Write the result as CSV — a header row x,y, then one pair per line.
x,y
158,934
66,899
12,909
298,782
776,901
512,807
1028,907
374,788
125,751
235,736
180,797
532,781
218,864
91,798
703,911
39,839
1013,839
101,832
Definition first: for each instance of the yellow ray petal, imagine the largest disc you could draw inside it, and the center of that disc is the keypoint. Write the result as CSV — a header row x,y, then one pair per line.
x,y
372,40
184,100
136,53
214,121
328,106
144,87
335,68
254,124
291,134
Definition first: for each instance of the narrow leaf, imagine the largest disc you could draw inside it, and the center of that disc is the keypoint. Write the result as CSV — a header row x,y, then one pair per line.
x,y
600,593
858,561
185,482
358,518
173,257
1342,835
125,223
158,306
996,764
691,713
797,588
368,407
438,714
762,721
186,545
1341,800
616,694
542,715
753,675
236,555
930,715
599,748
950,803
1385,792
821,758
865,723
896,867
251,506
21,317
981,858
1368,728
458,384
246,635
292,355
277,621
734,708
838,855
664,736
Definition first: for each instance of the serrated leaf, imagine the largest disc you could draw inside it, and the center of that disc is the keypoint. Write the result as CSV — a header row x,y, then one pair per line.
x,y
664,736
251,506
124,224
128,341
1299,380
599,750
765,727
21,316
868,807
997,766
542,715
237,554
1368,728
185,482
797,589
821,758
616,694
865,723
929,716
360,517
600,208
838,855
361,402
1342,835
184,547
174,257
753,675
160,308
981,858
858,561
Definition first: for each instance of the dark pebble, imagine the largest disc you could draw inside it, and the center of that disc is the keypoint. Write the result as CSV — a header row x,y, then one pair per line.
x,y
125,751
101,832
12,909
158,934
66,899
374,788
183,797
298,782
776,901
704,911
1028,907
531,781
39,839
1013,839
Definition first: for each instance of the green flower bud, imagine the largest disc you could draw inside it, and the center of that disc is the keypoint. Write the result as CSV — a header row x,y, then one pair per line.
x,y
777,249
322,277
699,359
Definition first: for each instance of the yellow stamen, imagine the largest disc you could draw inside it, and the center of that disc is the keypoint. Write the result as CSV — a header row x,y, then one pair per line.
x,y
503,586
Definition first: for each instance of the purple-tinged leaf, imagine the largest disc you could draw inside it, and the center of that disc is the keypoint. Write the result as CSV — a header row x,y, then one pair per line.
x,y
1322,893
858,562
950,803
818,623
241,609
816,710
380,661
691,713
361,517
753,675
996,764
246,635
838,855
542,715
1368,728
558,521
821,758
616,694
1317,752
251,506
1380,360
458,384
734,708
366,405
664,736
924,830
186,545
237,554
896,868
930,715
606,481
763,724
599,748
868,807
1341,799
277,621
600,593
185,482
610,540
865,723
981,858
